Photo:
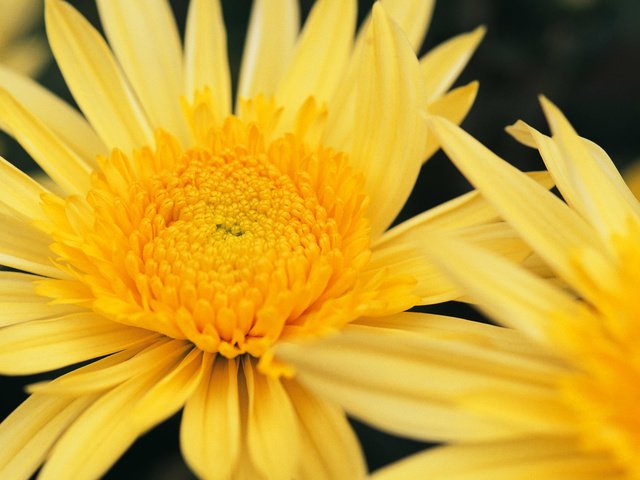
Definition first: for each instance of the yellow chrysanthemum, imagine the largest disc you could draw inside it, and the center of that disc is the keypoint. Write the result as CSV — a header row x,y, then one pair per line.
x,y
185,239
560,388
17,51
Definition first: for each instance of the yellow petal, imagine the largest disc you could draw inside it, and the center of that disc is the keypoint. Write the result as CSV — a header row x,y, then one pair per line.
x,y
272,428
271,37
95,79
206,63
45,345
544,221
321,54
24,248
389,136
453,106
210,428
413,17
102,433
27,56
358,370
114,369
508,293
20,192
57,115
29,432
598,191
552,458
442,65
65,167
145,39
323,424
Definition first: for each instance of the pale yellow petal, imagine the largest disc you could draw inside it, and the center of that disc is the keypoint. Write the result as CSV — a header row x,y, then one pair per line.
x,y
553,458
20,192
272,427
329,445
24,248
442,65
94,79
18,16
27,56
598,191
543,220
114,369
145,39
271,37
413,17
206,62
63,165
45,345
29,432
321,54
210,428
102,433
358,369
508,293
62,119
388,139
453,106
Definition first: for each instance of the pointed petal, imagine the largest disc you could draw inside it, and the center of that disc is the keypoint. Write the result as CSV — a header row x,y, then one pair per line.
x,y
45,345
29,432
453,106
323,424
389,137
95,79
413,17
210,428
553,230
551,458
24,248
20,192
321,54
102,433
442,65
598,191
206,58
509,294
65,167
272,428
269,46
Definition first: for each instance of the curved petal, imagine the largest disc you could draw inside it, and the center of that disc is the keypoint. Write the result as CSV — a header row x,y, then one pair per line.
x,y
329,446
442,65
551,458
388,139
210,428
45,345
28,434
66,168
95,79
62,119
271,38
272,428
145,39
206,58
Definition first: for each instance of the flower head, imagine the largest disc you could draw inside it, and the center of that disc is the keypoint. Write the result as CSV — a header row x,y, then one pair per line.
x,y
185,239
564,402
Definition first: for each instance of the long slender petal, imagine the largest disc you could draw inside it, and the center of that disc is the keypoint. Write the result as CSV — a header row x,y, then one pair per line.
x,y
94,79
20,192
62,119
271,37
389,136
64,166
206,58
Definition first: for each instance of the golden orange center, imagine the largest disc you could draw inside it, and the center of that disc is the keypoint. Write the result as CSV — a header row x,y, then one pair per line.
x,y
232,244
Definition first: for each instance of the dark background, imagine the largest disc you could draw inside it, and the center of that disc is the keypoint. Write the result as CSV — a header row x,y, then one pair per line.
x,y
583,54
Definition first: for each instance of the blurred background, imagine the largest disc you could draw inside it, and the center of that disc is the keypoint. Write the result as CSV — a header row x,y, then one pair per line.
x,y
583,54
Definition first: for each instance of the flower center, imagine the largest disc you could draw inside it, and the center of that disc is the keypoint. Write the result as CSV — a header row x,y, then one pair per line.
x,y
232,244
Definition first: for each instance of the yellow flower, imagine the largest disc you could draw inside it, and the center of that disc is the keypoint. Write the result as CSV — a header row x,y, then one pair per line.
x,y
18,51
185,238
560,387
